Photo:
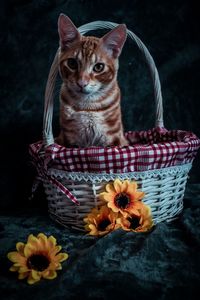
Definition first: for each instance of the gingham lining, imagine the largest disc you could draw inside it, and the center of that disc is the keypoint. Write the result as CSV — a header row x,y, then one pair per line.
x,y
153,149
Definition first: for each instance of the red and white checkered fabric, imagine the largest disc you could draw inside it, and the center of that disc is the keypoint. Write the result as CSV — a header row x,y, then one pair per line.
x,y
153,149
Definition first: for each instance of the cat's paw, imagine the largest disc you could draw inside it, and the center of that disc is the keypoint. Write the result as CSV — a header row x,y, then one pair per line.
x,y
119,142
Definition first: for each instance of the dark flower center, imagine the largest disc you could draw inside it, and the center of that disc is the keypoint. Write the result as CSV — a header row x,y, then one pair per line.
x,y
38,262
122,200
103,224
134,222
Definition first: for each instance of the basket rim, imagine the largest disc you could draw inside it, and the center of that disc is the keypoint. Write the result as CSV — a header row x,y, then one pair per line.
x,y
138,157
99,177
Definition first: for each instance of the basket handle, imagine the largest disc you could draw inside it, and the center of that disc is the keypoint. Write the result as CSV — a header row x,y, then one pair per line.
x,y
48,138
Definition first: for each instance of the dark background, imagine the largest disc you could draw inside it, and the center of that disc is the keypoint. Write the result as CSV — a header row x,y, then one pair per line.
x,y
29,39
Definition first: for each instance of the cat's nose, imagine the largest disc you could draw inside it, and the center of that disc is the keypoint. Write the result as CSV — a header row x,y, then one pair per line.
x,y
82,82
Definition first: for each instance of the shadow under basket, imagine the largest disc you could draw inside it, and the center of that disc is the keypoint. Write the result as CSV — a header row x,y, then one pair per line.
x,y
158,160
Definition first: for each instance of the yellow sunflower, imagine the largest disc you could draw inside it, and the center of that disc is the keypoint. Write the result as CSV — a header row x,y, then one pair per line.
x,y
123,197
137,223
38,258
100,221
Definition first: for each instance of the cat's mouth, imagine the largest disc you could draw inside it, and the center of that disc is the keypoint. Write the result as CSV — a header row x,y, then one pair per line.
x,y
84,91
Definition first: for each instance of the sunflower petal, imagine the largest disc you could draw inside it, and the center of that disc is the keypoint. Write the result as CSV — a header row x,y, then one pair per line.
x,y
135,212
35,274
124,186
124,213
43,240
94,211
20,247
92,230
50,275
134,185
101,233
23,269
110,188
117,185
132,188
13,269
19,264
31,280
139,195
112,206
61,257
32,239
29,250
52,241
55,250
87,227
33,243
59,267
14,256
135,208
106,196
53,264
45,273
23,275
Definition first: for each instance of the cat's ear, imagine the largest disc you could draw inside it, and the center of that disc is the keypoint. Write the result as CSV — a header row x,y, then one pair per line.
x,y
68,32
114,40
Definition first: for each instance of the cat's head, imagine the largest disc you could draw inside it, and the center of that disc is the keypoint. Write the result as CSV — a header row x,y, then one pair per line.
x,y
88,64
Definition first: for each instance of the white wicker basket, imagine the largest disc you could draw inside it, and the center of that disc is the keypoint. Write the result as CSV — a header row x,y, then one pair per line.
x,y
164,188
164,191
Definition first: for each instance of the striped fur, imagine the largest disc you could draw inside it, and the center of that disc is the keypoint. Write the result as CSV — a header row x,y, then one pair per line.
x,y
90,113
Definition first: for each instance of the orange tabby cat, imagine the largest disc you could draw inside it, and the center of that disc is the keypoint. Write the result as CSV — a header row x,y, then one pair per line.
x,y
90,113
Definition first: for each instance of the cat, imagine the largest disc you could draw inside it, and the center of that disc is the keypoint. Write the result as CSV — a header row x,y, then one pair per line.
x,y
90,113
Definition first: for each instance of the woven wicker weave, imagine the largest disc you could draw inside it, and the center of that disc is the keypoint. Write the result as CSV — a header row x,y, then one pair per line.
x,y
164,191
164,188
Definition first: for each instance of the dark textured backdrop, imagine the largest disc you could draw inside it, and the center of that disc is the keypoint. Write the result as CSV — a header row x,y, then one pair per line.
x,y
170,30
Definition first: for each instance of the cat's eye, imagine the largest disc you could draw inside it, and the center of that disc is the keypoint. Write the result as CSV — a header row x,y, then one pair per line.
x,y
72,63
98,67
